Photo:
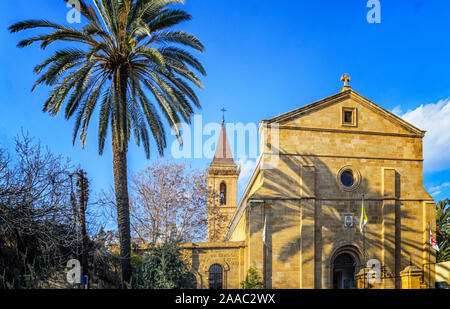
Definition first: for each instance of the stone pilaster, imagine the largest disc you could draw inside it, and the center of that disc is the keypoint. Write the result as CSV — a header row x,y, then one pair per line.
x,y
307,244
256,246
428,254
388,227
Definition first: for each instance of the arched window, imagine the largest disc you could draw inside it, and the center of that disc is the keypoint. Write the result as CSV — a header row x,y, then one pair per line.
x,y
215,277
223,194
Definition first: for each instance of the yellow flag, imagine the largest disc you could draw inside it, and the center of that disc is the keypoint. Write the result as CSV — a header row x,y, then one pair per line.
x,y
364,220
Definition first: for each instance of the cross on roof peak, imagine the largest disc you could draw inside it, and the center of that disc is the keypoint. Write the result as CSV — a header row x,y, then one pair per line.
x,y
346,79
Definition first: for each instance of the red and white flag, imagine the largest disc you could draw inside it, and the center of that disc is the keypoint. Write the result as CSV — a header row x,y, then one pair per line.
x,y
433,242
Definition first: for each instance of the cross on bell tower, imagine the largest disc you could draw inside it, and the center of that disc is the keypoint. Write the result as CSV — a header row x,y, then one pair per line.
x,y
223,110
346,79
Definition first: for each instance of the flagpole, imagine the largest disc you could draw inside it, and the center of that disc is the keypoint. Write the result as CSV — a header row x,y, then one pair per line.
x,y
364,242
264,246
364,250
429,256
364,256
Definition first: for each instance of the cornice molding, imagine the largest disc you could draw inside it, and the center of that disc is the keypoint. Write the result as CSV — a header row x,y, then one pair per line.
x,y
349,131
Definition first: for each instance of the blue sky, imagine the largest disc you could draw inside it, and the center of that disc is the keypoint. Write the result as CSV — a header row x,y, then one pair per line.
x,y
264,58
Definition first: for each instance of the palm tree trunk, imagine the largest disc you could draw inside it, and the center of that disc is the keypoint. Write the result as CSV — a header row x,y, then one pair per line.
x,y
121,186
84,237
123,208
120,148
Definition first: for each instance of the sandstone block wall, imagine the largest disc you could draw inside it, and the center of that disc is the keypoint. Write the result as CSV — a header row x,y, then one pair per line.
x,y
230,256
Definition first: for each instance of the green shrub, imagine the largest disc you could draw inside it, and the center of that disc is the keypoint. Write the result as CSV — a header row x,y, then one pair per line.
x,y
162,267
252,280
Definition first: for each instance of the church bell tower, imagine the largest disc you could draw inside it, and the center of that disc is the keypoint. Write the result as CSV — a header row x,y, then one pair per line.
x,y
222,180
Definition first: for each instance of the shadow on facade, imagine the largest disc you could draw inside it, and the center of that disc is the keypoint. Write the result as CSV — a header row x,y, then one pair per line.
x,y
329,230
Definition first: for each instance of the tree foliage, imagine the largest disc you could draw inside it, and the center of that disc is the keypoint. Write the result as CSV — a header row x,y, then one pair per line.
x,y
252,280
443,230
162,267
168,201
124,53
132,67
36,216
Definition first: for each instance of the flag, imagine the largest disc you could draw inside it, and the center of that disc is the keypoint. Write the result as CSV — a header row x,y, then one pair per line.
x,y
363,221
264,230
433,242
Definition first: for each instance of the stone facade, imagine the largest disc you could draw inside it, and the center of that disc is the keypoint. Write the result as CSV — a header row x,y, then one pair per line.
x,y
230,257
300,199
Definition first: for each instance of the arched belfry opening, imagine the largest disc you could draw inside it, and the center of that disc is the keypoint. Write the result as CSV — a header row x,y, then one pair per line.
x,y
223,194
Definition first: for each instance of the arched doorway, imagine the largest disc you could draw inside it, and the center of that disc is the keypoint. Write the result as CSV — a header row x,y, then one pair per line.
x,y
344,266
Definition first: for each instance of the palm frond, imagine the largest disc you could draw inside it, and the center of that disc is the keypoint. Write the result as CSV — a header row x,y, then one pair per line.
x,y
179,37
125,56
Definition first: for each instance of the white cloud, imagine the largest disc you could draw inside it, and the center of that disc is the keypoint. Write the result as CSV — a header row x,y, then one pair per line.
x,y
397,110
247,167
436,190
435,119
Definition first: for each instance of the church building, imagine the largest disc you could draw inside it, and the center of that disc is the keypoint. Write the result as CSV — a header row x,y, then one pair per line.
x,y
298,221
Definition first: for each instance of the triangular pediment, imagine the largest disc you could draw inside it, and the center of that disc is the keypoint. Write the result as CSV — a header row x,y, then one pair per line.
x,y
327,114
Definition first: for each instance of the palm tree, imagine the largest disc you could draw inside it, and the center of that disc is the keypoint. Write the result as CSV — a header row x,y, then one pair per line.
x,y
133,67
443,230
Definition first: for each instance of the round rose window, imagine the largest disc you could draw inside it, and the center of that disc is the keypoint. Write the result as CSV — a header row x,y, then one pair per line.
x,y
347,179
